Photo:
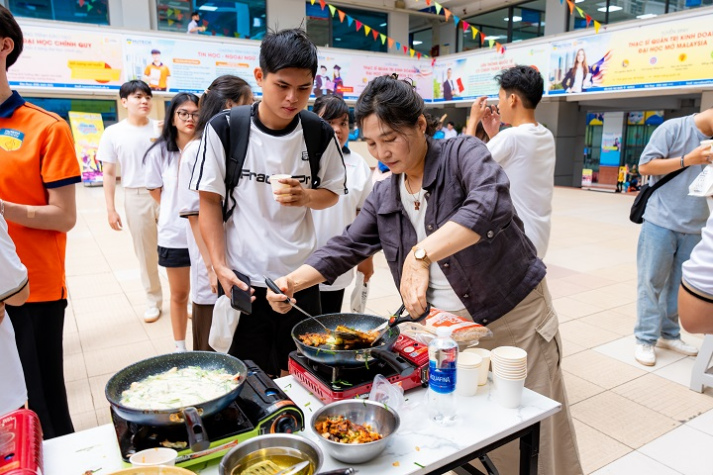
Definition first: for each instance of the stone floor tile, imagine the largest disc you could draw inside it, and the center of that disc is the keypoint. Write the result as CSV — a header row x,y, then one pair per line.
x,y
579,389
635,462
569,348
92,285
612,322
684,449
595,448
599,369
586,335
703,423
574,308
623,350
84,420
112,359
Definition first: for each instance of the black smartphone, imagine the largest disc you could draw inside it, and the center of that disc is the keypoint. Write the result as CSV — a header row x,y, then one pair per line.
x,y
239,299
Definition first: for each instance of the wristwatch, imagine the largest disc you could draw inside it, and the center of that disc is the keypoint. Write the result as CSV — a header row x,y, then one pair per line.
x,y
420,254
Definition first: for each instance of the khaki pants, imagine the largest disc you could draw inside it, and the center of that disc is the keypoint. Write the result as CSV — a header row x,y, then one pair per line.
x,y
142,218
533,326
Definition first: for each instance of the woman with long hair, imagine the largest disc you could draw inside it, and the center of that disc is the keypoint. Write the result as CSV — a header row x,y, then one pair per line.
x,y
332,221
579,78
224,92
447,225
162,160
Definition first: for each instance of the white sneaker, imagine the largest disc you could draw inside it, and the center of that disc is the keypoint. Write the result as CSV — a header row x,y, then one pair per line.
x,y
151,314
678,346
178,349
645,354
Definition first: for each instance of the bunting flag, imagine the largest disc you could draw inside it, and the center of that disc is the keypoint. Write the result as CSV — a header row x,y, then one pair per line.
x,y
342,15
81,3
350,20
580,11
412,52
597,25
570,4
456,20
583,14
358,25
405,49
428,3
383,38
418,55
465,26
171,22
447,12
491,42
375,34
398,46
312,1
391,43
482,37
475,32
438,8
589,20
332,9
367,29
322,4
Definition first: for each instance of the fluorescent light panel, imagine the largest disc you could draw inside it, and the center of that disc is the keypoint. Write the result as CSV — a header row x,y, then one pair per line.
x,y
612,8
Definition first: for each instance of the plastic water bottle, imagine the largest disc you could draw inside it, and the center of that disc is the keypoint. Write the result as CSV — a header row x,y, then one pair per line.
x,y
443,356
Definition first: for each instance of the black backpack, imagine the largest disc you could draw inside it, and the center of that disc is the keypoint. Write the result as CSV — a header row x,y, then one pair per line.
x,y
316,136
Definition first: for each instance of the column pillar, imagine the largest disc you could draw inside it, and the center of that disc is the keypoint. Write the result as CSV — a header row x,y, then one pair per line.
x,y
556,17
283,14
398,28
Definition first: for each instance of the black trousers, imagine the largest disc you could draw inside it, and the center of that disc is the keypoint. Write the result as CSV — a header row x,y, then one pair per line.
x,y
38,333
201,323
331,301
265,336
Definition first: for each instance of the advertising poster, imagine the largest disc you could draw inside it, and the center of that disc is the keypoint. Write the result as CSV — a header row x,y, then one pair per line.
x,y
611,139
87,129
62,58
175,65
674,54
346,74
587,177
471,76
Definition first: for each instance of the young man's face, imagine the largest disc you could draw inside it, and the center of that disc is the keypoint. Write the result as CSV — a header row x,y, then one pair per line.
x,y
195,17
138,104
284,94
505,107
156,57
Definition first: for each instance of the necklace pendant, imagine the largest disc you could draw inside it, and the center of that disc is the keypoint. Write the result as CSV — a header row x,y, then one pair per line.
x,y
417,205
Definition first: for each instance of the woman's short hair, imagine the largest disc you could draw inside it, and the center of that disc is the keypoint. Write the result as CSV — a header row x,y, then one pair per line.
x,y
395,102
330,107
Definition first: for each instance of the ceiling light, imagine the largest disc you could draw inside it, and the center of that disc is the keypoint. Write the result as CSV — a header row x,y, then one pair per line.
x,y
383,24
578,1
208,8
645,16
337,39
515,19
612,8
417,42
493,37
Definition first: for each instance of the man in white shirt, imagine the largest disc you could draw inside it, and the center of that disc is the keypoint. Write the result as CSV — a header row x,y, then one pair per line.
x,y
193,28
526,151
14,290
126,143
450,131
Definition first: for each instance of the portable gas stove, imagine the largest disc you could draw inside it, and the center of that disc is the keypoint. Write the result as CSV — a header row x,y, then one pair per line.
x,y
333,383
261,408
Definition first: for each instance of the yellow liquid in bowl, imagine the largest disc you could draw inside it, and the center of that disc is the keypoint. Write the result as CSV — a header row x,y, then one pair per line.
x,y
270,461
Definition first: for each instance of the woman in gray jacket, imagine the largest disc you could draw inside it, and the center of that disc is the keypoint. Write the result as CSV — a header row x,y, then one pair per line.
x,y
451,237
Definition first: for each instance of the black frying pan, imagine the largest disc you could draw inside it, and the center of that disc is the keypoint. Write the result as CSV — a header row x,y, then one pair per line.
x,y
191,416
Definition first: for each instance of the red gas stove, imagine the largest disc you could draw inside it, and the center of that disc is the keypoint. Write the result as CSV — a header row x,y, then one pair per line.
x,y
333,383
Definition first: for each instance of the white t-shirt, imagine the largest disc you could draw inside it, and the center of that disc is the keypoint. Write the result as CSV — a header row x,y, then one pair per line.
x,y
331,222
191,25
162,172
698,269
13,279
188,204
449,133
527,154
263,237
127,144
439,294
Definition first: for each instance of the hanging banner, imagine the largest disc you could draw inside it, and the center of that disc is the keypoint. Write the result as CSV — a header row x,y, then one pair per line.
x,y
87,129
611,139
63,58
672,54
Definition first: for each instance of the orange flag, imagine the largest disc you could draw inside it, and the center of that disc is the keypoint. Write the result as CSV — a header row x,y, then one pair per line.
x,y
570,3
375,34
391,43
342,15
447,12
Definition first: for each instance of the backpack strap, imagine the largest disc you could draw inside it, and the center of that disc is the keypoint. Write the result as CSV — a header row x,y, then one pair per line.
x,y
240,118
317,138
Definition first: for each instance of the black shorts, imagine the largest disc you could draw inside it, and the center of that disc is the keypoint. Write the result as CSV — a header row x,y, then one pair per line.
x,y
169,257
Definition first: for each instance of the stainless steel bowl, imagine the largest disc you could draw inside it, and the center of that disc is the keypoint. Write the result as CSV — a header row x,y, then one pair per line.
x,y
270,445
381,418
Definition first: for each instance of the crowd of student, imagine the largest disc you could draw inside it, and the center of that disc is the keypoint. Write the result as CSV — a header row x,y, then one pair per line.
x,y
463,224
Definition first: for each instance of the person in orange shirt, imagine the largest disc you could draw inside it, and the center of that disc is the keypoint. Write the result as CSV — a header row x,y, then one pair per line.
x,y
38,170
156,74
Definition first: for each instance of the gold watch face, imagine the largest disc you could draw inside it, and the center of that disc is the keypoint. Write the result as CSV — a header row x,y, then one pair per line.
x,y
419,254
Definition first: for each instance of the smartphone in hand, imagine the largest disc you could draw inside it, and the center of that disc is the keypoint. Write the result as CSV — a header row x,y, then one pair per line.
x,y
239,299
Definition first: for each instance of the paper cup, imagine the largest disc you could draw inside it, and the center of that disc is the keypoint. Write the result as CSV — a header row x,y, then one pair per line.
x,y
484,366
468,374
157,128
508,392
278,187
155,456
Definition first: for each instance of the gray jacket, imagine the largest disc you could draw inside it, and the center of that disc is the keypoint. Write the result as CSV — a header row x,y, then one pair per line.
x,y
463,184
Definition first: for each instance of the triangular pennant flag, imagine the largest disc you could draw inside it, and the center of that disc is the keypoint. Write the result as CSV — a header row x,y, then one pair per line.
x,y
438,8
89,7
342,15
482,37
412,51
456,20
383,38
367,29
169,12
466,25
322,4
179,15
589,20
350,20
447,13
312,1
375,34
81,3
475,31
428,2
418,55
332,9
405,49
580,11
597,25
570,3
491,43
358,25
171,22
398,46
391,43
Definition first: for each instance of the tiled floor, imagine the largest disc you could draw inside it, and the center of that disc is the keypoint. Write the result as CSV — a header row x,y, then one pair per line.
x,y
630,419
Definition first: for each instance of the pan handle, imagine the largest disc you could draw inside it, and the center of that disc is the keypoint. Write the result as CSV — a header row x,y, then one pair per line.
x,y
403,367
197,436
399,318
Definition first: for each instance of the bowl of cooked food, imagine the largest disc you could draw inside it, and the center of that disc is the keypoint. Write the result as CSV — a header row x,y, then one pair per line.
x,y
272,453
355,430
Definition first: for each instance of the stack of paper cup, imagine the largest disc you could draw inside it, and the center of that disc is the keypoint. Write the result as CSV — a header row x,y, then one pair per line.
x,y
484,366
468,370
509,373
